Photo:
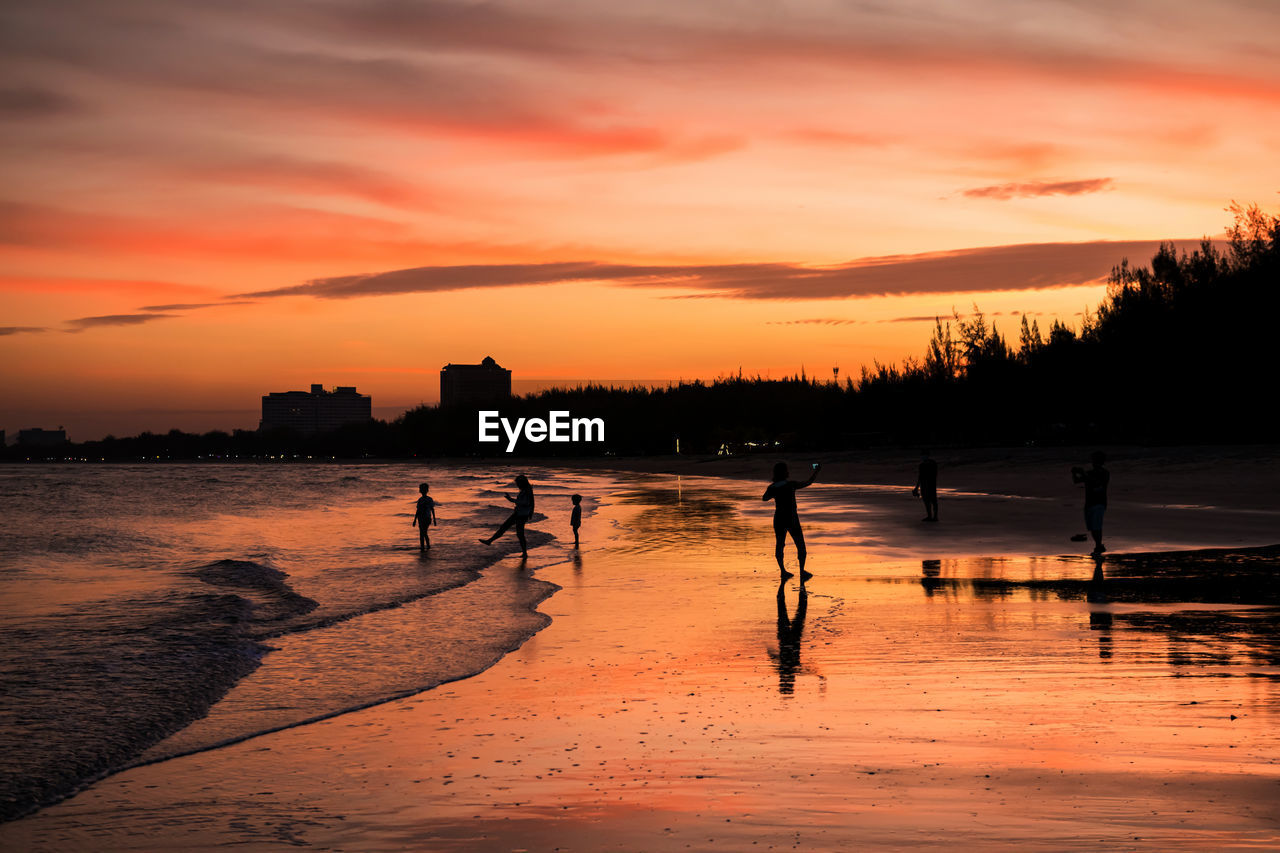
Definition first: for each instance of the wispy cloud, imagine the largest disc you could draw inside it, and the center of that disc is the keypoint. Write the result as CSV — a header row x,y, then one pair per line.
x,y
1027,266
313,178
191,306
31,102
1031,189
19,330
815,321
920,318
354,68
82,323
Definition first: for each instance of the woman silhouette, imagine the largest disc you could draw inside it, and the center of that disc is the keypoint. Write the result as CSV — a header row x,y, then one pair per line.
x,y
785,517
519,516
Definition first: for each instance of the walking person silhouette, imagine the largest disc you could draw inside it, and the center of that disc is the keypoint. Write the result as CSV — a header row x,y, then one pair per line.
x,y
927,486
786,519
426,514
520,515
1095,482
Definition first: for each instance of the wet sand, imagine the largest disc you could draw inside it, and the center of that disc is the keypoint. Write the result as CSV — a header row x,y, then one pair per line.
x,y
961,684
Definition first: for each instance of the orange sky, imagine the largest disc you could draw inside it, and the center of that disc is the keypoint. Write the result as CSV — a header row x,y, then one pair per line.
x,y
580,189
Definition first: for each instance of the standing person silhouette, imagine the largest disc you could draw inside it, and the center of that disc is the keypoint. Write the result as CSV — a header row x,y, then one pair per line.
x,y
786,519
927,486
424,516
575,517
1095,482
519,516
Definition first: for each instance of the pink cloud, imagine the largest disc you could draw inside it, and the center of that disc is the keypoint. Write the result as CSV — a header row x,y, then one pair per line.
x,y
1026,266
1030,189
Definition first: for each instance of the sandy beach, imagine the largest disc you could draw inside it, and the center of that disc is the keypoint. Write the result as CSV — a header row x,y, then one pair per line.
x,y
960,684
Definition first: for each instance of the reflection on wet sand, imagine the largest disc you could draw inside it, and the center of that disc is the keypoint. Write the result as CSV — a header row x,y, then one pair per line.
x,y
790,631
1214,608
678,516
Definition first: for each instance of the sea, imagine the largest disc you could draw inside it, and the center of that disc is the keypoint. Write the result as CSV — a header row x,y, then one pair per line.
x,y
154,610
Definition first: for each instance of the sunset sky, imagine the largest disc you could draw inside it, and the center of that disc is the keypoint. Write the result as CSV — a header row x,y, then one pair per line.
x,y
205,202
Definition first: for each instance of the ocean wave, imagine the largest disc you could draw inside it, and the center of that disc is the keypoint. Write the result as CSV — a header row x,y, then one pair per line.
x,y
263,586
32,543
382,656
83,706
146,599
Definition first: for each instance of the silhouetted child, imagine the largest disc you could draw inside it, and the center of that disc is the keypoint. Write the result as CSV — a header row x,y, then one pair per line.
x,y
1095,482
425,516
575,518
927,486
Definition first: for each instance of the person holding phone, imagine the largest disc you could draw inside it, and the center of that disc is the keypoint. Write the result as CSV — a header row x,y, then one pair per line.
x,y
786,519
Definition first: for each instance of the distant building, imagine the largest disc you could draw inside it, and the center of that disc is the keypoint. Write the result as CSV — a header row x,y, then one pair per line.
x,y
316,410
37,437
472,384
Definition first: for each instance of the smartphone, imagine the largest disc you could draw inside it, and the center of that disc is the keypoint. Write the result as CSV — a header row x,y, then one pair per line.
x,y
814,466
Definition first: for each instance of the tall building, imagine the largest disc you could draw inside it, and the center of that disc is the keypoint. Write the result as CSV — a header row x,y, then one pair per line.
x,y
316,410
472,384
37,437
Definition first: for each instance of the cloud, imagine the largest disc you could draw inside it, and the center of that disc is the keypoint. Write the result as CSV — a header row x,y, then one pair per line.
x,y
1004,192
370,75
1027,266
18,330
815,321
953,315
1000,34
555,77
315,178
191,306
83,323
30,102
922,318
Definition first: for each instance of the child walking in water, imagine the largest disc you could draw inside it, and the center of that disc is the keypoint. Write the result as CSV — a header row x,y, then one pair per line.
x,y
519,516
575,519
425,516
785,517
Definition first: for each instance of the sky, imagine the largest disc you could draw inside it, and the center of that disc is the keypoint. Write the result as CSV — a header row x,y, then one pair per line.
x,y
201,203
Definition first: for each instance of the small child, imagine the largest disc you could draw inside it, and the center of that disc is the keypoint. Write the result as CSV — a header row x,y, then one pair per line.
x,y
575,520
426,515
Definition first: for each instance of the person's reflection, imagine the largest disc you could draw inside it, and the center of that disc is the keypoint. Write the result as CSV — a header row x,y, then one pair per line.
x,y
1096,590
1099,620
789,632
932,580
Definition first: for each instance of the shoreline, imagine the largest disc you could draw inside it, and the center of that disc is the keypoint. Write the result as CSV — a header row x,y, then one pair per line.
x,y
603,736
633,618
